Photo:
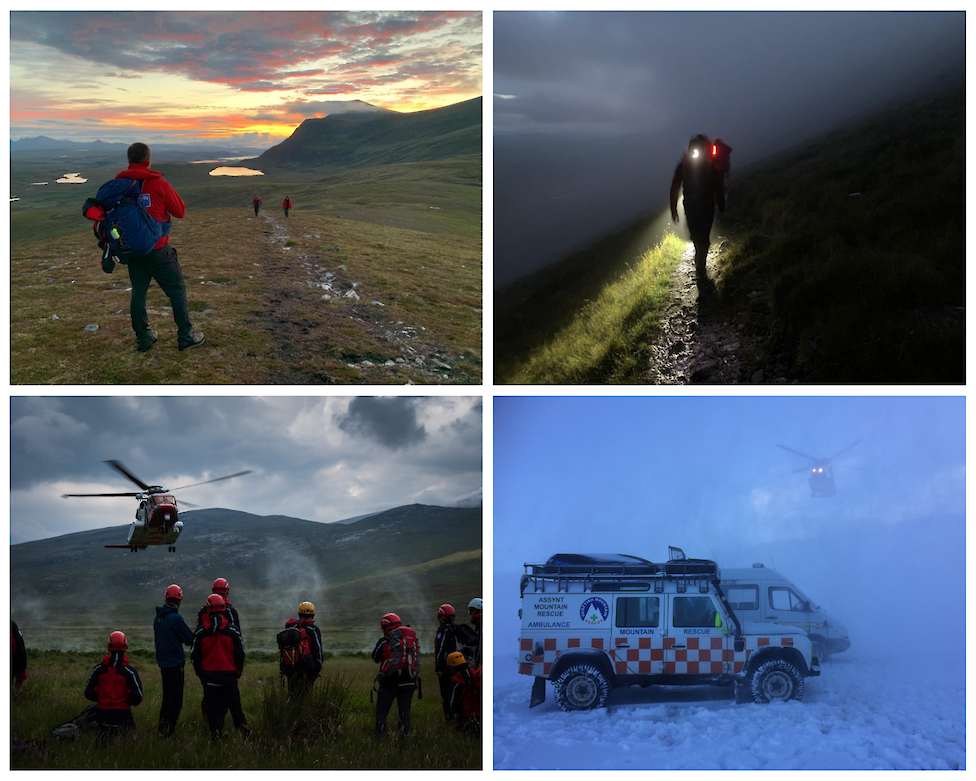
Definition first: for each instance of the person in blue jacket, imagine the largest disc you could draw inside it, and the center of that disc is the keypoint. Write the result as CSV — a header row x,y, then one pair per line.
x,y
172,634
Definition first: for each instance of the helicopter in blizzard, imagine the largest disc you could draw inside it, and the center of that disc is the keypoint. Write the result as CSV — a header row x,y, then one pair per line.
x,y
157,519
821,476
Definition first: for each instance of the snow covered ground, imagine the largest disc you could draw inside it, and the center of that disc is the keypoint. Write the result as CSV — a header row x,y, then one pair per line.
x,y
859,713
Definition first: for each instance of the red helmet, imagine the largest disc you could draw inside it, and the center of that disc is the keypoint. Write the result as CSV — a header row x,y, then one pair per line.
x,y
215,603
174,593
221,586
445,611
389,621
116,641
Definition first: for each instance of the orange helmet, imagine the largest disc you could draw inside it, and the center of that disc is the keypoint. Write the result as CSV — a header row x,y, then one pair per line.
x,y
116,641
221,586
389,621
174,593
215,603
456,659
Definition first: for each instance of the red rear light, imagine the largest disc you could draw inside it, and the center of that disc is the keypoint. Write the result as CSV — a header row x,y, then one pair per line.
x,y
714,150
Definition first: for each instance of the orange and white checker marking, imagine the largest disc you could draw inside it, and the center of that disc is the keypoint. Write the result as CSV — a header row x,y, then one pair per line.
x,y
653,655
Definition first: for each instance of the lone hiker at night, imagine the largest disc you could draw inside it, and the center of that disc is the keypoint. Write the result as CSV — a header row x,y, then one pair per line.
x,y
132,215
701,174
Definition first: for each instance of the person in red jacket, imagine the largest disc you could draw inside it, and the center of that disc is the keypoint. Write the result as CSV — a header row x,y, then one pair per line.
x,y
465,693
218,660
115,686
161,264
257,204
286,205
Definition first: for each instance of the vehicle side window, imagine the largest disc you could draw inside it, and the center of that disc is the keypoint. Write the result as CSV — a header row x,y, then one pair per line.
x,y
783,599
743,597
693,611
638,611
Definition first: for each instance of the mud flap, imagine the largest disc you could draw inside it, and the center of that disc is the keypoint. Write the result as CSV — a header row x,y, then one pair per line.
x,y
743,692
538,692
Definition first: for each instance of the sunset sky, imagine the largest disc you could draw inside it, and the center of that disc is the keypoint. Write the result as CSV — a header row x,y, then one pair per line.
x,y
253,77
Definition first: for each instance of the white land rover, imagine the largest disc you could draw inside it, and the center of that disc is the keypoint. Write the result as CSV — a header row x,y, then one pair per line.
x,y
593,623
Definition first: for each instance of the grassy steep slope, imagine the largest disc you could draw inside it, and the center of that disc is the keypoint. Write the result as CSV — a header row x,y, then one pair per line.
x,y
846,264
856,243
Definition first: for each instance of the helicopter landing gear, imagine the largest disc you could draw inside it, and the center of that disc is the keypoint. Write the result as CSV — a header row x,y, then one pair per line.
x,y
172,549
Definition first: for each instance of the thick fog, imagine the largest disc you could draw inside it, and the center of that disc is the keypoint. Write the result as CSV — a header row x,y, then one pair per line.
x,y
592,111
885,556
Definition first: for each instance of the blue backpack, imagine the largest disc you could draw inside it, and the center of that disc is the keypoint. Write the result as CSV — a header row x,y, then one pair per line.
x,y
123,225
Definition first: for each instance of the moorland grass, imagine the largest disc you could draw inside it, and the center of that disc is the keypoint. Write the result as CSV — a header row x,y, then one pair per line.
x,y
609,340
333,731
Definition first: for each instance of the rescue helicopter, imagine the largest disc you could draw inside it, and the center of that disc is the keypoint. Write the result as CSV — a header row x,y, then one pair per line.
x,y
821,472
157,519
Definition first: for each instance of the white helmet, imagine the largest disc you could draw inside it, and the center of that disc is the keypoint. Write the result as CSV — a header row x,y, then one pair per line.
x,y
475,603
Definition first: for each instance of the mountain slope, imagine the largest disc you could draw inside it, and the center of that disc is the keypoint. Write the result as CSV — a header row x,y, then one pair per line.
x,y
360,140
68,591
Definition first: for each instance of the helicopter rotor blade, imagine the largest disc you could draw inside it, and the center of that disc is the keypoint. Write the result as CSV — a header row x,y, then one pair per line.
x,y
120,467
184,503
215,480
812,458
842,451
65,496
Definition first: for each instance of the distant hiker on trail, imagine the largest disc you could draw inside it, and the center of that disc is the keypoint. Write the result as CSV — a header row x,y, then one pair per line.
x,y
119,211
18,656
476,609
445,643
398,655
704,187
286,205
465,697
218,660
171,634
257,204
115,686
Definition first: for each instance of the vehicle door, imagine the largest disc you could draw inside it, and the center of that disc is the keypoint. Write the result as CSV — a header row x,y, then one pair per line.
x,y
638,635
694,645
785,606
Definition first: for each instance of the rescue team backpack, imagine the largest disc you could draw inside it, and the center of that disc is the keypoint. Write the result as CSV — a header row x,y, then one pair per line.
x,y
295,650
402,653
123,225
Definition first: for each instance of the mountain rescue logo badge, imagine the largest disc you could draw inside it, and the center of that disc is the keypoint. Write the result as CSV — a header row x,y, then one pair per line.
x,y
594,611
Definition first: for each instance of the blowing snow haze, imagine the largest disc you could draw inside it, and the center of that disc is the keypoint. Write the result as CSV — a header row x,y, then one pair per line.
x,y
592,111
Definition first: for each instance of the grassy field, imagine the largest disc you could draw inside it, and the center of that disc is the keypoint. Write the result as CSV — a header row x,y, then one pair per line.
x,y
608,339
335,730
407,237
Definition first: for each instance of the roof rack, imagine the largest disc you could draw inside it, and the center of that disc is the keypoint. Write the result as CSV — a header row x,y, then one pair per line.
x,y
589,568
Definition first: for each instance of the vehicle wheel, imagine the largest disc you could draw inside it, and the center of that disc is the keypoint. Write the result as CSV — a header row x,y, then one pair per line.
x,y
581,687
777,681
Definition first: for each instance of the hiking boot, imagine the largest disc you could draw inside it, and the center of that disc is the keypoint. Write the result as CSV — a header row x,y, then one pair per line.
x,y
195,339
148,341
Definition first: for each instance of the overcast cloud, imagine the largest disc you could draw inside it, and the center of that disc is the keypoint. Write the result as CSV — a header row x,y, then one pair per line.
x,y
319,459
593,110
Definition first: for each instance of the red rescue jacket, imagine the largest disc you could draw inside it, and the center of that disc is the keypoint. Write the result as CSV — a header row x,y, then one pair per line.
x,y
113,684
286,204
164,201
466,694
218,651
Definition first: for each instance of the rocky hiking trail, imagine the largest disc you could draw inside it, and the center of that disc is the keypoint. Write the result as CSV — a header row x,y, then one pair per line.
x,y
300,281
700,341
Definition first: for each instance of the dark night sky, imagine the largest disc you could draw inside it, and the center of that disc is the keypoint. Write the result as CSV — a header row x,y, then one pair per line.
x,y
593,110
